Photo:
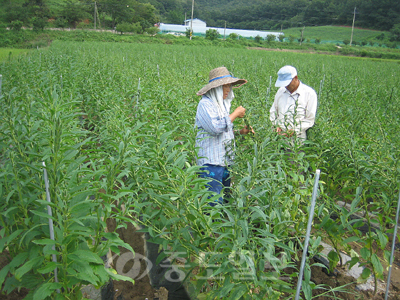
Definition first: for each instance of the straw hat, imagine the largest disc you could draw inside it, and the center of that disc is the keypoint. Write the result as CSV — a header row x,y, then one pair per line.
x,y
218,77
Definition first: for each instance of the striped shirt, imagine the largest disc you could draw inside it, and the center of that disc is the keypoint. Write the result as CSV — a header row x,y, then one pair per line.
x,y
215,138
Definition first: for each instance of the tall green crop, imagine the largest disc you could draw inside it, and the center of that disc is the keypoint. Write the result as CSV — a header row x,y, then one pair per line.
x,y
118,152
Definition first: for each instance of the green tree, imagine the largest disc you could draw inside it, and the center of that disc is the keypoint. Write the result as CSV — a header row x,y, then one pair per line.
x,y
38,23
144,13
233,36
258,39
16,25
212,34
395,32
346,41
124,27
61,22
187,33
152,30
73,13
281,37
270,38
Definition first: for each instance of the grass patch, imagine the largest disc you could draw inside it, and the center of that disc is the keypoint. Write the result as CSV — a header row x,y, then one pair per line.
x,y
335,33
8,53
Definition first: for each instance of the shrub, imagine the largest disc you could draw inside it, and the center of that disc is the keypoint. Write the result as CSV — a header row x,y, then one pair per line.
x,y
38,23
270,38
16,25
152,30
233,36
346,42
187,33
61,23
128,27
281,37
258,39
212,34
317,40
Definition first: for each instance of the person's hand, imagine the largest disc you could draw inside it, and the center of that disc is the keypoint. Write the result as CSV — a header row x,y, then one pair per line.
x,y
245,130
288,133
238,113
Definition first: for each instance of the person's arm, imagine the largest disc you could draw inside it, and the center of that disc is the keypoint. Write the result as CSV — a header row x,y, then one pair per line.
x,y
238,113
310,111
208,119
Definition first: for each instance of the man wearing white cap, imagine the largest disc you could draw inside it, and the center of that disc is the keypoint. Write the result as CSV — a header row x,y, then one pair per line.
x,y
295,105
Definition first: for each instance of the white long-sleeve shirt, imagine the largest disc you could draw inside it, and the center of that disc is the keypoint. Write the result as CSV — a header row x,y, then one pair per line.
x,y
294,111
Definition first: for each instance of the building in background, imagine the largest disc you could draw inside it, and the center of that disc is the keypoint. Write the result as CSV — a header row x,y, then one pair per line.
x,y
200,27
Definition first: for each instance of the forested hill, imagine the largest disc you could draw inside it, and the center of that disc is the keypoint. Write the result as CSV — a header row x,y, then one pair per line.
x,y
277,14
240,14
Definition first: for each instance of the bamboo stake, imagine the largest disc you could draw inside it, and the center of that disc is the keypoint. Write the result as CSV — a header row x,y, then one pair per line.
x,y
393,246
310,219
49,212
137,98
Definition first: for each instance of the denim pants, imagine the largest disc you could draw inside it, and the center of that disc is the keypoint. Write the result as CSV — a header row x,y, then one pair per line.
x,y
220,179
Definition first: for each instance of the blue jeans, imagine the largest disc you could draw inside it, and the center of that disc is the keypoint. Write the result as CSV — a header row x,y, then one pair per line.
x,y
219,179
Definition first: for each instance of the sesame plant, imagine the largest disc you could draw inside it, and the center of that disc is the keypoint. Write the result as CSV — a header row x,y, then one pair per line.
x,y
114,124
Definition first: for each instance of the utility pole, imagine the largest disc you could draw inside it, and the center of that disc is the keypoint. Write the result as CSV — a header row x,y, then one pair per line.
x,y
224,30
95,11
352,27
191,23
301,38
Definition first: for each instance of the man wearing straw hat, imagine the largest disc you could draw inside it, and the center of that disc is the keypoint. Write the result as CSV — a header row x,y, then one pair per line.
x,y
295,105
214,123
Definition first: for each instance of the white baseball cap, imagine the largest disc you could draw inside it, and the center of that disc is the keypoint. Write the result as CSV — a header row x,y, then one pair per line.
x,y
285,76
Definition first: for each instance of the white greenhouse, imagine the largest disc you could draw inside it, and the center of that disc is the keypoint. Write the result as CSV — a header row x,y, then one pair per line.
x,y
200,28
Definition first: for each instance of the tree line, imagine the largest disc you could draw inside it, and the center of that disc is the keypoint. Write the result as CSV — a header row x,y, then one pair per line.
x,y
252,14
78,13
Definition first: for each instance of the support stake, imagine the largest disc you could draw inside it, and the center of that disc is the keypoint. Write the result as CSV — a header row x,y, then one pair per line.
x,y
310,219
393,246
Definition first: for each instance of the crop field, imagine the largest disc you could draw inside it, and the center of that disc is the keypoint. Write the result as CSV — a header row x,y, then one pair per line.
x,y
113,124
335,33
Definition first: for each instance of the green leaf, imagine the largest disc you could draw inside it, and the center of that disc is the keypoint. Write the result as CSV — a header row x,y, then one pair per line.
x,y
46,290
114,275
306,287
8,239
86,256
383,239
365,274
238,292
333,260
376,263
365,253
50,267
3,273
351,239
43,215
27,267
45,242
353,261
